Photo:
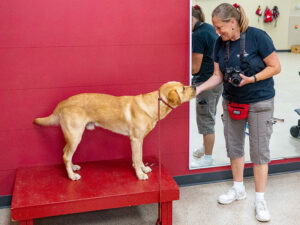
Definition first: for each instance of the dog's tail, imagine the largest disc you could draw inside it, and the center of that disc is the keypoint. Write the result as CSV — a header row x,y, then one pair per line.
x,y
52,120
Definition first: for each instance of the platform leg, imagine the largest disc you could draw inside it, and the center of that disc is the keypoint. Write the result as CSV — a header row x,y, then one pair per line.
x,y
166,213
26,222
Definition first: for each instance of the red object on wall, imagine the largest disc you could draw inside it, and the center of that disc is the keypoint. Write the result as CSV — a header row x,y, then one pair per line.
x,y
258,11
268,15
50,50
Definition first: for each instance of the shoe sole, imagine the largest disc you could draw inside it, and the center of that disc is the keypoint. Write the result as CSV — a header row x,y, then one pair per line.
x,y
262,220
198,155
204,166
238,199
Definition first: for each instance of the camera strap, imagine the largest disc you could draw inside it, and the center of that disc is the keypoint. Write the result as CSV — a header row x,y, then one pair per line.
x,y
237,111
242,49
243,46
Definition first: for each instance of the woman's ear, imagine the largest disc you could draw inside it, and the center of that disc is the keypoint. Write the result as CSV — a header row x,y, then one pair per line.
x,y
174,98
233,22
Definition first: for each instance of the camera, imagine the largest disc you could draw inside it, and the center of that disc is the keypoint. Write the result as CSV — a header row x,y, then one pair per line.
x,y
233,74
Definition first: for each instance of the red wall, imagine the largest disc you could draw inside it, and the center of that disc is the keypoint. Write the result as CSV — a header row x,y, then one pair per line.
x,y
52,49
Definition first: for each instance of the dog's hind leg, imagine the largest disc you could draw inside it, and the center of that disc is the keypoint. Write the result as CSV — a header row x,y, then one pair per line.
x,y
73,139
73,128
137,158
69,150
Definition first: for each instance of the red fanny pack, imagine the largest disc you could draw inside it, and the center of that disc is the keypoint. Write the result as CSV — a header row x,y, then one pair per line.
x,y
238,111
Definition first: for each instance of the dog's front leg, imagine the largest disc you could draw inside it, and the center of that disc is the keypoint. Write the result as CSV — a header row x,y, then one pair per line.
x,y
137,158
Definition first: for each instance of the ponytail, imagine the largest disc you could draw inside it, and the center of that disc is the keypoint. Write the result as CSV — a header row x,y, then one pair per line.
x,y
198,13
243,19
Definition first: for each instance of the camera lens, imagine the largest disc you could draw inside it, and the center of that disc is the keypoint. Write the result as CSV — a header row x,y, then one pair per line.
x,y
236,79
235,82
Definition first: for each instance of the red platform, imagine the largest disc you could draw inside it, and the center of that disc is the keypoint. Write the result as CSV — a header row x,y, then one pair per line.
x,y
46,191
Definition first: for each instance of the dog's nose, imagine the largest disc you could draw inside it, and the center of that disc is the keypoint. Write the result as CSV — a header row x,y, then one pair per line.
x,y
194,87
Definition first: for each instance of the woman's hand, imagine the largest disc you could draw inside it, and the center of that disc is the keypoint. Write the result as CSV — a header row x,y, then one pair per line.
x,y
245,80
213,81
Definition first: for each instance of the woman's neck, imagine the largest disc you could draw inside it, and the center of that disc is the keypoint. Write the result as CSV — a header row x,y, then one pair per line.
x,y
236,35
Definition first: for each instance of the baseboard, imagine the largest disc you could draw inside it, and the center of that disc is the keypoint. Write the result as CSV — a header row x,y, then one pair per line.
x,y
5,201
284,50
203,178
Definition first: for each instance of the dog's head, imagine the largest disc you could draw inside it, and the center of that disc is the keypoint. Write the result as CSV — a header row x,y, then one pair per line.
x,y
176,93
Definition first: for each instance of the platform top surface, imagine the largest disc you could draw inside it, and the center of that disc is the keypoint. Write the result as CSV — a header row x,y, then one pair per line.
x,y
44,185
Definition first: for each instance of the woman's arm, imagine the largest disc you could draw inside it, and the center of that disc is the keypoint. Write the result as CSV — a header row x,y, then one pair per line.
x,y
214,80
196,62
273,67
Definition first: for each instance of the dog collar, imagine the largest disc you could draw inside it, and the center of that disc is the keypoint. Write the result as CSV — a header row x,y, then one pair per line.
x,y
160,99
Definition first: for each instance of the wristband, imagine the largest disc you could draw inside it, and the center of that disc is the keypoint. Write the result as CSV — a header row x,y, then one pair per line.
x,y
254,78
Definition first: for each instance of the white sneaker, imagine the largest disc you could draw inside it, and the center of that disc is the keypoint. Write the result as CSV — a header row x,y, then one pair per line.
x,y
262,212
199,152
232,195
202,162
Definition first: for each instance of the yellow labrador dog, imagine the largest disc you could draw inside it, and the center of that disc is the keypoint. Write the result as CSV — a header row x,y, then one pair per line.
x,y
133,116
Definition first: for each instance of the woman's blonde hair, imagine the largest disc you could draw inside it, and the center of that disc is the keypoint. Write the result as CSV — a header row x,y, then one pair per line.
x,y
198,13
227,11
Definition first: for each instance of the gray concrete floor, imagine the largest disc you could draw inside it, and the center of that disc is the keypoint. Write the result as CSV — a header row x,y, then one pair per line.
x,y
197,206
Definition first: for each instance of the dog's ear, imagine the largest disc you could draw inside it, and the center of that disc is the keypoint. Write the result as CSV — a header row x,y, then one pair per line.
x,y
174,98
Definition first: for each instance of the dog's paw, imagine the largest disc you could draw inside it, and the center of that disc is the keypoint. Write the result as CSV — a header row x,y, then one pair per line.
x,y
142,176
75,167
146,169
75,176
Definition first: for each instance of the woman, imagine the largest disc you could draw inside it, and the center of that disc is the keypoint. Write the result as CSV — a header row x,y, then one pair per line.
x,y
203,41
249,53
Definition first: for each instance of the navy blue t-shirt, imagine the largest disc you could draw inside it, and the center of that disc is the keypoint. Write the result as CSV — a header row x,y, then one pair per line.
x,y
203,41
258,45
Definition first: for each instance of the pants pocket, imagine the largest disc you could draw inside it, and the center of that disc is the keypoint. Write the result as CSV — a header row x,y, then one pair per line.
x,y
202,107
